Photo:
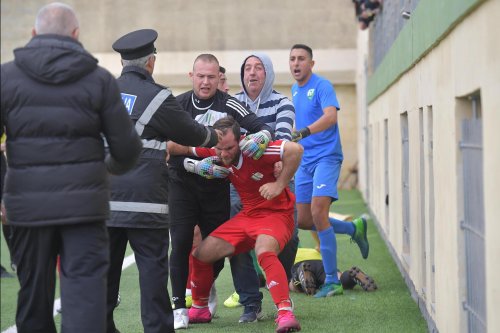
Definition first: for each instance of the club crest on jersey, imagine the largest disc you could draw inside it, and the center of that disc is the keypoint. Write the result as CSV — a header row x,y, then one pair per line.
x,y
257,176
310,93
128,101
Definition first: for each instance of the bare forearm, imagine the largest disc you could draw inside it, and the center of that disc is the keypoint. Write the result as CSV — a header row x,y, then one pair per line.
x,y
327,120
292,156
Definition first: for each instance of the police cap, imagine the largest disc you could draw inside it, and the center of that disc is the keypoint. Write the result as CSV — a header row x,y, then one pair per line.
x,y
136,44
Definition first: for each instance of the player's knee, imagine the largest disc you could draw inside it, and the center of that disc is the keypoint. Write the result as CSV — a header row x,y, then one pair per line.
x,y
212,249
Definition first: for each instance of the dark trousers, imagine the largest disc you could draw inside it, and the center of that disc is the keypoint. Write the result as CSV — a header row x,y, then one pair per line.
x,y
151,255
7,236
189,207
83,249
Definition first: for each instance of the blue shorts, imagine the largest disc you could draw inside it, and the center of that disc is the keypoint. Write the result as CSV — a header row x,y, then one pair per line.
x,y
317,179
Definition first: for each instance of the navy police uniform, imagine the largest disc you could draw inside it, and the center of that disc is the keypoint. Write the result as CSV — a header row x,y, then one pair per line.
x,y
139,210
195,200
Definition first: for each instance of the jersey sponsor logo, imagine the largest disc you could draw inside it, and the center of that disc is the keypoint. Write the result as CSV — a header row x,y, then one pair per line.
x,y
129,101
310,94
257,176
321,186
210,117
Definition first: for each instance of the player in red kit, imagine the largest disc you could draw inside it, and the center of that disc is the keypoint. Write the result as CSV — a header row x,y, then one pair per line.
x,y
265,222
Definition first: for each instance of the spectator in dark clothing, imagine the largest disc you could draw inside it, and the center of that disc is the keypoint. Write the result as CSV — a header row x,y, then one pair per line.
x,y
58,106
5,228
366,10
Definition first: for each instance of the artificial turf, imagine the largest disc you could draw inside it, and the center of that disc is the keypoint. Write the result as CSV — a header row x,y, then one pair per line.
x,y
388,309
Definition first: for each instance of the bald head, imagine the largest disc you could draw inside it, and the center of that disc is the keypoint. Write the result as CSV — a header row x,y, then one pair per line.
x,y
56,18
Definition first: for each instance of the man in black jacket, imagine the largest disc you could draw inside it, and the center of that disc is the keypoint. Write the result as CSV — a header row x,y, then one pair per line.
x,y
57,106
194,200
139,210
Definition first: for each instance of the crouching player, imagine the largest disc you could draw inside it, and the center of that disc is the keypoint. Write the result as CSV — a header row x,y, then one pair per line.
x,y
265,222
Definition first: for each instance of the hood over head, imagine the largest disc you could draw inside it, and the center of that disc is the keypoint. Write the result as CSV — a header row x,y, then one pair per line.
x,y
267,89
54,59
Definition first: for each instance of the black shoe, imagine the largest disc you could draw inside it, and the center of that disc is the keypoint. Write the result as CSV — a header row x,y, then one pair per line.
x,y
362,279
306,278
252,313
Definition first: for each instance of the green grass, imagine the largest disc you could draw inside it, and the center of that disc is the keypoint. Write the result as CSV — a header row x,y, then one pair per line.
x,y
389,309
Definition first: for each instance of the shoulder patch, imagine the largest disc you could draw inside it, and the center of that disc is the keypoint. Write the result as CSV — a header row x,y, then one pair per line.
x,y
129,101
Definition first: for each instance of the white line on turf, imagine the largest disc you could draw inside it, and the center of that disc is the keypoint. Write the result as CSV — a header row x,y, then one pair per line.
x,y
57,303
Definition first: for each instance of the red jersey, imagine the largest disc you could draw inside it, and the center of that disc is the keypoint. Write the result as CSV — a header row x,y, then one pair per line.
x,y
249,175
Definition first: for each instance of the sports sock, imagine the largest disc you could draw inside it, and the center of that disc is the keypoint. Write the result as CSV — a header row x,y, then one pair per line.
x,y
328,249
202,278
341,227
275,276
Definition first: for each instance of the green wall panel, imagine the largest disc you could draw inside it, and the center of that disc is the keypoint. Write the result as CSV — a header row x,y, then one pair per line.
x,y
431,21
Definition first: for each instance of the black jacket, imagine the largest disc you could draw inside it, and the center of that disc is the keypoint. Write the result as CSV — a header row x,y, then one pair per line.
x,y
57,105
139,197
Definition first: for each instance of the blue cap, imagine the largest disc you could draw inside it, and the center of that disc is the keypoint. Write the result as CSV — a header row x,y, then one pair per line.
x,y
136,44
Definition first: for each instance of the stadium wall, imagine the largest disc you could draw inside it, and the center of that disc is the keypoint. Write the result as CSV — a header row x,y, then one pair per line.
x,y
442,70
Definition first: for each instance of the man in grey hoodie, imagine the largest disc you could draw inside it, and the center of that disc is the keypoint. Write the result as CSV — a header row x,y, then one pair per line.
x,y
277,111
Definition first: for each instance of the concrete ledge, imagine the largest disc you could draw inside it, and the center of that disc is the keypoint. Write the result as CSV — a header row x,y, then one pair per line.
x,y
172,68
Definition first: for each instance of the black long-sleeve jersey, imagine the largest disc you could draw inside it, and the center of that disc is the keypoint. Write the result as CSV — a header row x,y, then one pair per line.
x,y
207,112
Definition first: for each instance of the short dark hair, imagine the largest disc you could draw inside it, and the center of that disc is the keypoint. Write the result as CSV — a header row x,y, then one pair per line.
x,y
222,69
304,47
228,123
206,57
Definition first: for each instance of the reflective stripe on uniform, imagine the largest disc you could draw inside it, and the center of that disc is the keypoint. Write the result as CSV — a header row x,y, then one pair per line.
x,y
154,144
140,207
207,140
151,109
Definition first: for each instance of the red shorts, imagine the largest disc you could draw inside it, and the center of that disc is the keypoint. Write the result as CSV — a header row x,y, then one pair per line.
x,y
242,230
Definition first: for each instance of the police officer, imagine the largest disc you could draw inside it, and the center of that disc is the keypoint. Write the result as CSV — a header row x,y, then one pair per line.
x,y
139,211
